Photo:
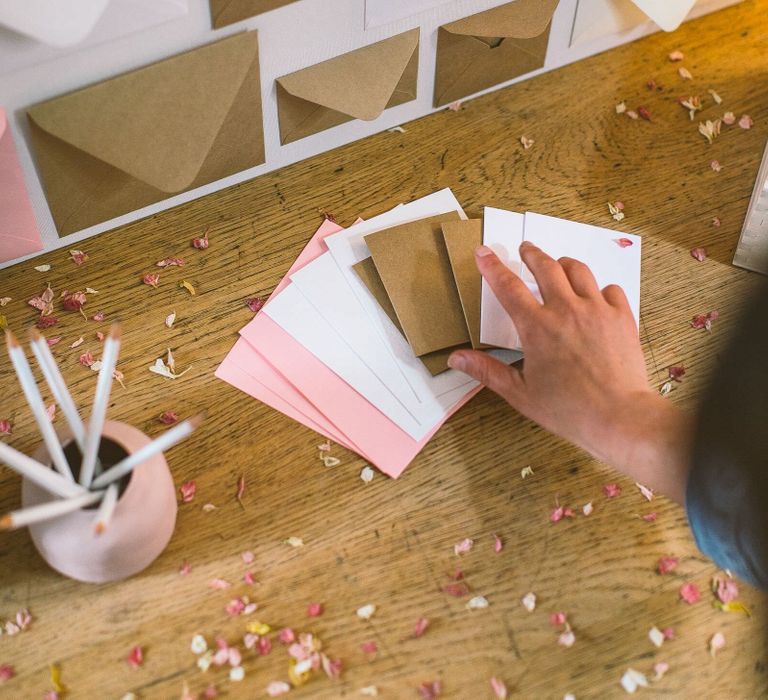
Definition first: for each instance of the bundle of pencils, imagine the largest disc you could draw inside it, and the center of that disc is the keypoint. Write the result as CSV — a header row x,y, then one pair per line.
x,y
93,485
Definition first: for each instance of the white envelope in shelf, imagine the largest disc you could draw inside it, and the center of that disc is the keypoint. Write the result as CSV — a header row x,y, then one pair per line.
x,y
53,22
600,18
119,18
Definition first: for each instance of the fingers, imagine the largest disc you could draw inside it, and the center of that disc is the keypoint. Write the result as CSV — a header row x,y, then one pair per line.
x,y
549,274
505,381
581,278
509,289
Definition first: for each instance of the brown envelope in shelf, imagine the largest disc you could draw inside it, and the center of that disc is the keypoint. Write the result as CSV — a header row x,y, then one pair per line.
x,y
413,264
357,85
224,12
144,136
491,47
435,362
462,239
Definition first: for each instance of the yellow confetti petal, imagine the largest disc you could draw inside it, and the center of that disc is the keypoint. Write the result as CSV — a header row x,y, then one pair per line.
x,y
3,322
58,686
733,606
257,627
188,286
297,679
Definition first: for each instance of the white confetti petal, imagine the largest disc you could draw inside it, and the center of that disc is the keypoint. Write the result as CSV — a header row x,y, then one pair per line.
x,y
199,645
366,612
656,636
529,601
478,603
367,475
295,542
632,680
525,472
588,508
370,691
170,319
237,673
42,268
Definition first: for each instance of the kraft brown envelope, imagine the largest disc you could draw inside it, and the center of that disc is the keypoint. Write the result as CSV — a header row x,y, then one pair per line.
x,y
413,264
357,85
491,47
147,135
435,362
461,240
224,12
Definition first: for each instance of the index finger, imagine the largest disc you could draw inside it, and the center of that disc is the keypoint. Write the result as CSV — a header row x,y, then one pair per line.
x,y
510,290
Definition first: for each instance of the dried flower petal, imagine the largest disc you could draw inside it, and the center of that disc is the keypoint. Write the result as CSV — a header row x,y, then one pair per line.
x,y
50,411
366,612
479,602
276,688
164,371
455,106
618,214
729,118
704,320
5,300
170,262
457,590
529,601
644,113
656,636
632,114
611,490
188,490
527,143
6,427
370,691
716,221
650,517
498,544
684,73
199,645
294,542
369,647
716,643
73,301
587,508
621,108
202,242
185,568
498,687
557,618
676,56
366,474
632,680
420,627
135,657
315,609
430,690
690,593
6,673
644,490
726,589
746,122
236,673
699,254
526,472
718,100
152,279
667,564
98,316
46,322
659,669
692,104
464,546
42,268
188,286
715,165
86,359
78,256
168,417
710,130
170,319
255,304
623,242
567,638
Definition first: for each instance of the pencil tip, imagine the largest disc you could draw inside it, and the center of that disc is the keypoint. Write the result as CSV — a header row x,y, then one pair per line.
x,y
35,334
10,339
115,331
198,420
6,522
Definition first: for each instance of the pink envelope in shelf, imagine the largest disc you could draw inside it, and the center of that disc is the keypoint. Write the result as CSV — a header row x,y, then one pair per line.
x,y
19,234
273,359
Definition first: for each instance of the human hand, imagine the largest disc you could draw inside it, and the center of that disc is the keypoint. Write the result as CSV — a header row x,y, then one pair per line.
x,y
583,376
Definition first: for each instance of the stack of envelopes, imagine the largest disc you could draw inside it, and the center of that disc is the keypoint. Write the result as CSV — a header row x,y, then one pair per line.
x,y
354,341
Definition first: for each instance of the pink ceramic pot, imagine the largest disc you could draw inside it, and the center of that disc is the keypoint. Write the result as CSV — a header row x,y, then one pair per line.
x,y
140,529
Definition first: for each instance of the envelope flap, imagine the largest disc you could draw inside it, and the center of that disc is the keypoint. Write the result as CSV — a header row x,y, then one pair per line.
x,y
522,19
668,14
359,83
157,123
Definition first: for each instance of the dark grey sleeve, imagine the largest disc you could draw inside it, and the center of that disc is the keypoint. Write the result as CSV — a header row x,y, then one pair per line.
x,y
727,492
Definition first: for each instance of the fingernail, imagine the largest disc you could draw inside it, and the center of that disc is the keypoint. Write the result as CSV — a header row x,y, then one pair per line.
x,y
483,251
457,362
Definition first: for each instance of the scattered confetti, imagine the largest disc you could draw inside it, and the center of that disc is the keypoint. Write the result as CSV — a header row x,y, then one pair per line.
x,y
396,130
477,603
611,490
650,517
464,546
315,609
55,340
5,300
369,647
185,568
684,73
198,645
567,638
644,113
716,221
188,490
659,669
690,593
667,564
455,106
170,319
98,316
632,680
78,342
527,143
166,371
366,474
135,657
656,636
42,268
557,618
699,254
715,165
676,56
621,108
729,118
726,589
420,627
716,643
73,301
692,104
86,359
704,320
6,673
370,691
526,472
645,491
499,688
276,688
559,513
255,304
710,130
188,286
616,210
170,262
718,100
366,612
152,279
632,114
587,508
746,122
202,242
529,601
294,542
78,257
50,411
430,690
168,418
498,544
6,427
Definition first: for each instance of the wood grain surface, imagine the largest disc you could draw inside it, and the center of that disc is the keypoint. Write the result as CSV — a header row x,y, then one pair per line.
x,y
391,542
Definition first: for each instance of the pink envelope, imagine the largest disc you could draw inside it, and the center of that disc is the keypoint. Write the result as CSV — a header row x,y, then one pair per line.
x,y
273,359
19,234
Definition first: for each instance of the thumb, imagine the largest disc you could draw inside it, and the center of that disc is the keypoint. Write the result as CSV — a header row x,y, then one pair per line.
x,y
506,381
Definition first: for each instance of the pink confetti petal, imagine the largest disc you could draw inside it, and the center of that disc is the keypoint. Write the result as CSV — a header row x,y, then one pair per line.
x,y
185,568
746,122
715,165
98,316
704,320
369,647
286,636
249,578
53,341
690,593
557,618
6,673
667,564
727,590
188,490
669,633
499,688
623,242
265,646
650,517
202,242
699,253
457,590
135,657
168,418
498,544
276,688
464,546
73,301
729,118
78,257
675,56
421,625
151,279
46,322
255,304
430,690
716,221
612,490
315,610
170,262
86,359
6,427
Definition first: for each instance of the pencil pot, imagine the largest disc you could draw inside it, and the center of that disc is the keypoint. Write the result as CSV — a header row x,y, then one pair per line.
x,y
140,527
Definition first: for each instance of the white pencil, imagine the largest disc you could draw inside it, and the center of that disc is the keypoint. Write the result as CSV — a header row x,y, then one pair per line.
x,y
43,476
46,511
35,401
164,442
59,389
99,409
106,508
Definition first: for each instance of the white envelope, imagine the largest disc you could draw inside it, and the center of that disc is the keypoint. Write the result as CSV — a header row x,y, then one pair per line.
x,y
116,18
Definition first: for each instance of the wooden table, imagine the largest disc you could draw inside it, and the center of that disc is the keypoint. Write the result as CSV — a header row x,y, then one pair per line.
x,y
391,542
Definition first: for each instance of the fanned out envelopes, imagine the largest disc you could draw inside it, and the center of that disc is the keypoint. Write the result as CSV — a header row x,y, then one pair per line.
x,y
491,47
19,234
144,136
357,85
224,12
